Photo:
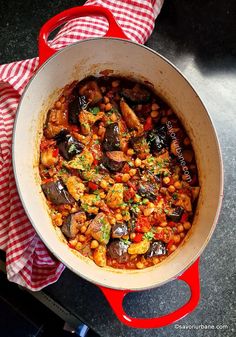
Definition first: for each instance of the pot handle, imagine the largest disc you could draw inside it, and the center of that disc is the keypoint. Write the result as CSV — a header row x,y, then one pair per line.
x,y
116,297
45,51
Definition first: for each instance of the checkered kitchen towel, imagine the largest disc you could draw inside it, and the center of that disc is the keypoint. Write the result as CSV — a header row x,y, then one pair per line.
x,y
28,262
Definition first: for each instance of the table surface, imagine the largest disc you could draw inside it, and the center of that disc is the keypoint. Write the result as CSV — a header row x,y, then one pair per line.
x,y
199,38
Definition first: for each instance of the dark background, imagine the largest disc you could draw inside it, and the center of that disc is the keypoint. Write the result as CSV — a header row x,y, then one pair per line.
x,y
199,37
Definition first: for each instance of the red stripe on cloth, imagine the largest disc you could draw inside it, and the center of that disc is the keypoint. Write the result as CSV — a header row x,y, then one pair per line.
x,y
28,261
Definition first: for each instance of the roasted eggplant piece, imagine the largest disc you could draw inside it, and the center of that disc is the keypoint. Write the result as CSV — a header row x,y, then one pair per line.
x,y
56,122
158,139
74,107
68,145
111,140
140,144
176,214
136,95
157,248
118,250
56,192
119,230
114,160
92,92
100,228
72,224
147,190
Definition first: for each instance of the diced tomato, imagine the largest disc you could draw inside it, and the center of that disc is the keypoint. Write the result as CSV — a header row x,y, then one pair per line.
x,y
118,178
130,184
74,128
95,162
148,124
93,186
142,225
125,168
55,152
129,194
48,180
172,224
184,218
138,237
46,143
159,236
70,245
170,243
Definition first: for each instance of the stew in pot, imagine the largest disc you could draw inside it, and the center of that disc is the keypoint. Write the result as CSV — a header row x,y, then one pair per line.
x,y
118,172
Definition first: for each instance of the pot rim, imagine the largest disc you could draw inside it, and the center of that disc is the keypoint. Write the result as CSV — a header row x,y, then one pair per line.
x,y
221,177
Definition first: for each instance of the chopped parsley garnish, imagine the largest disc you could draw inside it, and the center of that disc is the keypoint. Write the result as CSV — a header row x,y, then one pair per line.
x,y
95,110
149,236
125,241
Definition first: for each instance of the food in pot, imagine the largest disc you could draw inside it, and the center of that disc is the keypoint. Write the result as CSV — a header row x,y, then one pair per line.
x,y
118,172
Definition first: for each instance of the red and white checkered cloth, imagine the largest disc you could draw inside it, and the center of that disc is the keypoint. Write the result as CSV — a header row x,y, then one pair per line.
x,y
28,262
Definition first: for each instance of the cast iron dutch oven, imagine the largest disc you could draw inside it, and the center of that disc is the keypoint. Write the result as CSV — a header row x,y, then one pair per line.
x,y
88,57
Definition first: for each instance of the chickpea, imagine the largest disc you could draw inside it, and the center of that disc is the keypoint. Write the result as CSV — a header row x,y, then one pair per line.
x,y
94,244
108,107
182,235
81,238
112,221
119,217
78,246
154,114
176,238
187,225
58,105
132,236
171,189
104,184
180,228
62,99
178,185
102,195
106,99
95,137
73,242
172,248
115,84
137,162
125,177
163,224
155,260
132,172
155,106
186,141
166,180
83,229
130,152
139,265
